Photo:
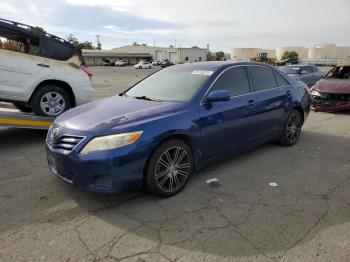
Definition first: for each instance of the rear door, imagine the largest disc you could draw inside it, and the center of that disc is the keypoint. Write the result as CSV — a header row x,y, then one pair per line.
x,y
273,95
227,126
20,73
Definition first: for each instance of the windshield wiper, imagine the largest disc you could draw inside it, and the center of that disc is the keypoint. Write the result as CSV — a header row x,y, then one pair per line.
x,y
146,98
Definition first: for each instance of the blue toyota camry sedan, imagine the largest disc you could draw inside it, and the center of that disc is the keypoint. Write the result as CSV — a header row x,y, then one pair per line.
x,y
157,133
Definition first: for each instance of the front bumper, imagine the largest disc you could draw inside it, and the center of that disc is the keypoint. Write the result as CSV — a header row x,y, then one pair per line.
x,y
331,108
111,171
327,105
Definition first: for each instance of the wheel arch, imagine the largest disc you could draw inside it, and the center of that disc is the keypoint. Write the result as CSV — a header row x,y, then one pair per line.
x,y
301,111
59,83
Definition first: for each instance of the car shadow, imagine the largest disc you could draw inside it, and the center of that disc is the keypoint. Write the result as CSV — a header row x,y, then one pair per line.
x,y
264,202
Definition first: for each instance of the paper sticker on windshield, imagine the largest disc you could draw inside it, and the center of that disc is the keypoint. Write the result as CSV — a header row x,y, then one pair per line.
x,y
202,72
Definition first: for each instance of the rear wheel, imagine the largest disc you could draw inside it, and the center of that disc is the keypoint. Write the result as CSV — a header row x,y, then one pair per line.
x,y
50,100
23,107
292,130
169,168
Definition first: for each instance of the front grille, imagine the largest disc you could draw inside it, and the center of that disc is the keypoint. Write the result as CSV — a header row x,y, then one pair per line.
x,y
327,99
63,143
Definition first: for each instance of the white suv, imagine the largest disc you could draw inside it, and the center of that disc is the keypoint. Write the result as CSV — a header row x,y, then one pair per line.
x,y
41,72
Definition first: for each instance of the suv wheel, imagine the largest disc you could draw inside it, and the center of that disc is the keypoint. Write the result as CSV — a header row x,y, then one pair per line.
x,y
292,130
169,168
50,100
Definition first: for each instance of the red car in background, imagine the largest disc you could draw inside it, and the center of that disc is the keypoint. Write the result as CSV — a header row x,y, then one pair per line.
x,y
332,93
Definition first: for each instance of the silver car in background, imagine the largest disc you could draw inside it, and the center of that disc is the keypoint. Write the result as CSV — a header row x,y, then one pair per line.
x,y
308,74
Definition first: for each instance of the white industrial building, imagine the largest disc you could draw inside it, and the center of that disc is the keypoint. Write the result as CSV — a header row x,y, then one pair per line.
x,y
174,54
248,53
320,52
302,51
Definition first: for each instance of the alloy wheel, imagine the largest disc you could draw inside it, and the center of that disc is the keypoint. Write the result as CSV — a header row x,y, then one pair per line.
x,y
52,103
172,169
294,127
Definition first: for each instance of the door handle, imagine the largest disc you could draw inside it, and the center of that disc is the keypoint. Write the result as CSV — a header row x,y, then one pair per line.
x,y
251,103
43,65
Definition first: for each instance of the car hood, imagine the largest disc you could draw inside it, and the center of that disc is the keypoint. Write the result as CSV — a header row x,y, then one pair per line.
x,y
114,112
337,86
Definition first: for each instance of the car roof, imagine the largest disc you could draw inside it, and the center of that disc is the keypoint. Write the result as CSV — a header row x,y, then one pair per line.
x,y
297,65
213,65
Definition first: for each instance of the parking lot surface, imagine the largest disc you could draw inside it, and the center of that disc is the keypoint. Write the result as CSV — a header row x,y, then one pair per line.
x,y
270,204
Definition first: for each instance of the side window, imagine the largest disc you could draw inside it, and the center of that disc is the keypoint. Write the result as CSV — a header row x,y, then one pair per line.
x,y
234,80
307,69
280,80
262,78
313,69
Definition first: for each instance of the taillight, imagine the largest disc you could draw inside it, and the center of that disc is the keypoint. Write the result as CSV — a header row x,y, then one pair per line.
x,y
86,70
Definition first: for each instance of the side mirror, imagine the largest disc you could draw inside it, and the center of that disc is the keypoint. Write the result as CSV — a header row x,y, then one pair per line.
x,y
303,72
218,95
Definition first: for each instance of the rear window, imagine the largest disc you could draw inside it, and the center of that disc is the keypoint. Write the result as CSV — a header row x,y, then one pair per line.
x,y
280,80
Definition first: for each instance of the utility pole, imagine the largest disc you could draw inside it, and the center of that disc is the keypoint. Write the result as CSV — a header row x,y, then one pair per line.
x,y
98,41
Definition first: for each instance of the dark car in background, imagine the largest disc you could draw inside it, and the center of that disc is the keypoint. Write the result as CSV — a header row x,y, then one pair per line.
x,y
289,61
166,64
308,74
332,93
157,133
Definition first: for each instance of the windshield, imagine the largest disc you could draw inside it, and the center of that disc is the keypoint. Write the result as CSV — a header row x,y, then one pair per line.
x,y
290,70
170,85
339,72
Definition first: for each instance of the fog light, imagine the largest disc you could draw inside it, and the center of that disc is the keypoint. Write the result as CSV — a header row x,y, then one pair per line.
x,y
103,181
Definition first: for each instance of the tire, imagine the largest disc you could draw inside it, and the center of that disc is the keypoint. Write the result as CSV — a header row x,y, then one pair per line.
x,y
23,108
54,97
169,168
292,129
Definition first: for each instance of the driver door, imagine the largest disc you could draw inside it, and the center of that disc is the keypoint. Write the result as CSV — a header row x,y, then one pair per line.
x,y
228,126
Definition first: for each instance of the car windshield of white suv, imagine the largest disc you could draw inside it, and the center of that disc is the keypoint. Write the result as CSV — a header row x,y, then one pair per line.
x,y
169,85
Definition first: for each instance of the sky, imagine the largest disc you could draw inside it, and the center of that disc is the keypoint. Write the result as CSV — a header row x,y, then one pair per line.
x,y
223,24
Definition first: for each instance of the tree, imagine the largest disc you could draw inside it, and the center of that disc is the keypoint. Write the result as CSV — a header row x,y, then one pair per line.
x,y
290,54
81,45
38,30
220,56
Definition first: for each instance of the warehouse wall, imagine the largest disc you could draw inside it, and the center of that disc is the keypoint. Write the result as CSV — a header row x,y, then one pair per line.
x,y
248,53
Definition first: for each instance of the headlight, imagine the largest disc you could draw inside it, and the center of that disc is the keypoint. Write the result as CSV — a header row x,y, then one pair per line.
x,y
111,142
315,93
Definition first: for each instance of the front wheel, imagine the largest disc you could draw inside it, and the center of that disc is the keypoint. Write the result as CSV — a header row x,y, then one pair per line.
x,y
51,101
169,168
292,130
